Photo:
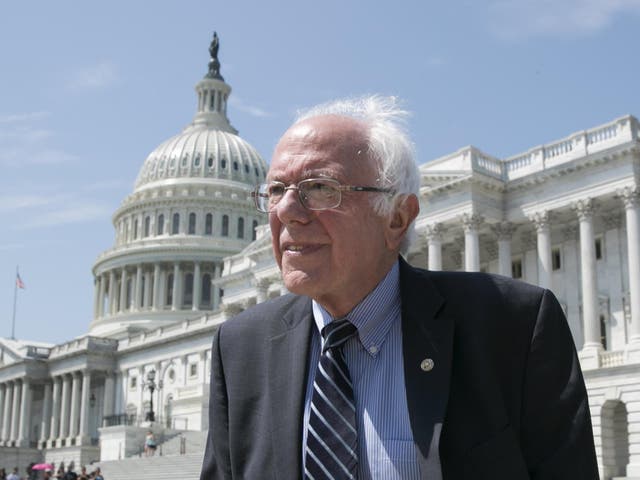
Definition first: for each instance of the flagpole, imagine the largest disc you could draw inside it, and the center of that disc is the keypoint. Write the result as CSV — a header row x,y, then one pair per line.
x,y
15,301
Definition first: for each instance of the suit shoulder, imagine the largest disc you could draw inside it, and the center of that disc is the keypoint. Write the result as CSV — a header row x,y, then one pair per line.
x,y
260,317
485,286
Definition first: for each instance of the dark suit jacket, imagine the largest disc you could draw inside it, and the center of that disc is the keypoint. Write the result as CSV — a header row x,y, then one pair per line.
x,y
506,385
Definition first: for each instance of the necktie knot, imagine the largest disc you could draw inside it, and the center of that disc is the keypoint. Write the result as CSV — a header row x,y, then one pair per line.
x,y
336,333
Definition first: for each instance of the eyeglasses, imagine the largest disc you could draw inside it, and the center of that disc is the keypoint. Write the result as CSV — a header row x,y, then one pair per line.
x,y
314,193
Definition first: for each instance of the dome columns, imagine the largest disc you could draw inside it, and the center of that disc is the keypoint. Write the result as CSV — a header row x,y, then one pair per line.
x,y
158,286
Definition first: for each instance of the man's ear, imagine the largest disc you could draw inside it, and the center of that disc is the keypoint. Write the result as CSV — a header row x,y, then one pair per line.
x,y
404,213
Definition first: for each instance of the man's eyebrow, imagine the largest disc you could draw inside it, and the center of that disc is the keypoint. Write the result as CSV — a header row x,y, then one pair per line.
x,y
304,176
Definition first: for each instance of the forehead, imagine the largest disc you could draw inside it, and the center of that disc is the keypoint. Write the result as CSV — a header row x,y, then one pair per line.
x,y
329,145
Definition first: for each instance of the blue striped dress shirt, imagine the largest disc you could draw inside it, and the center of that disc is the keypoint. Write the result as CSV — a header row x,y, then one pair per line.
x,y
386,450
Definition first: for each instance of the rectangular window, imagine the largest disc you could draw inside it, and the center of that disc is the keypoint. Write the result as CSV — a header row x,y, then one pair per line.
x,y
556,259
193,370
598,248
516,268
603,332
133,383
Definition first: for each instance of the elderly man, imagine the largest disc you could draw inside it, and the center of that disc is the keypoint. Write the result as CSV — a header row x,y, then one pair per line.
x,y
373,369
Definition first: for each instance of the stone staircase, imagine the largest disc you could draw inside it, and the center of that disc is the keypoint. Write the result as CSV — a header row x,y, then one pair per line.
x,y
179,457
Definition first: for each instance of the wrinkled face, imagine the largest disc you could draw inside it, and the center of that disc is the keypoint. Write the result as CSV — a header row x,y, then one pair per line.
x,y
334,256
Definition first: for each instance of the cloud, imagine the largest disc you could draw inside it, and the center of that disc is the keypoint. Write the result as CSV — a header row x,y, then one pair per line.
x,y
113,184
81,212
10,246
252,110
23,117
12,203
24,143
511,19
101,75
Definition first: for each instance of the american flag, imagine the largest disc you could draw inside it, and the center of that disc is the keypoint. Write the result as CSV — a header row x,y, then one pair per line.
x,y
19,282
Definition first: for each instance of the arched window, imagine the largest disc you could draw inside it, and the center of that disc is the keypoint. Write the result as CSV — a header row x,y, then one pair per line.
x,y
192,223
241,227
206,290
188,290
160,226
208,224
142,289
210,161
246,168
223,163
175,228
169,299
235,166
253,230
147,226
196,160
225,225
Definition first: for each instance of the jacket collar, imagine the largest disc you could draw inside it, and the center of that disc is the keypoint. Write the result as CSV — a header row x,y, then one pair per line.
x,y
427,344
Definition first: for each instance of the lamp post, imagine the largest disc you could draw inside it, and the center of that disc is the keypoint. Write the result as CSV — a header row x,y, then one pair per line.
x,y
151,385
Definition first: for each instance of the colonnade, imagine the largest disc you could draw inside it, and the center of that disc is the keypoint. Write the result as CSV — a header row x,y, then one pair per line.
x,y
584,211
15,413
156,286
65,419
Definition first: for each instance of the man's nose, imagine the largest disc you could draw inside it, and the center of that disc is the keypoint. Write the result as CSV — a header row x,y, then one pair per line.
x,y
290,208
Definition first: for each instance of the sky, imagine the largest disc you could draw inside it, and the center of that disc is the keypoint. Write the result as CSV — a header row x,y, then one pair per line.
x,y
89,89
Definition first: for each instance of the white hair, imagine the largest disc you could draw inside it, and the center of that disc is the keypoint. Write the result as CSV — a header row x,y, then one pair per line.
x,y
389,146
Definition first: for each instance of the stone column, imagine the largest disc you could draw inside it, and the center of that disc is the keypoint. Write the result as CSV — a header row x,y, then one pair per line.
x,y
101,296
3,388
6,415
55,413
176,304
108,403
543,230
434,246
96,296
197,286
589,285
75,406
215,288
140,385
25,414
262,287
15,411
83,434
138,297
112,292
124,385
46,416
156,287
471,224
631,198
504,232
148,301
123,290
64,410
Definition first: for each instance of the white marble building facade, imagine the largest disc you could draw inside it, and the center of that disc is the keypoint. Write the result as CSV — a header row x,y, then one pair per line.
x,y
190,251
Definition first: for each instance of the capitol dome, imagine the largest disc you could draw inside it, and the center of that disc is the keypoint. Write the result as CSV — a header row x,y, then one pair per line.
x,y
190,207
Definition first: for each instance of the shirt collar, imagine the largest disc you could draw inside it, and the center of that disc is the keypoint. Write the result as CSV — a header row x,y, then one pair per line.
x,y
374,315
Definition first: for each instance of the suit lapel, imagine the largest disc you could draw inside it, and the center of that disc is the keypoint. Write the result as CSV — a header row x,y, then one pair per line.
x,y
427,340
288,359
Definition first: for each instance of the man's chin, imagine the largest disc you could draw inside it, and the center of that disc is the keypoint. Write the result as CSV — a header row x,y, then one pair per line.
x,y
299,282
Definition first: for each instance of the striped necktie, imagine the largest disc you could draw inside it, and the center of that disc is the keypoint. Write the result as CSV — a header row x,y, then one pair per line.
x,y
331,450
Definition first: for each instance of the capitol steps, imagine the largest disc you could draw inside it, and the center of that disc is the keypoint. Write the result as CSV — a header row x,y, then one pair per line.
x,y
166,467
180,456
